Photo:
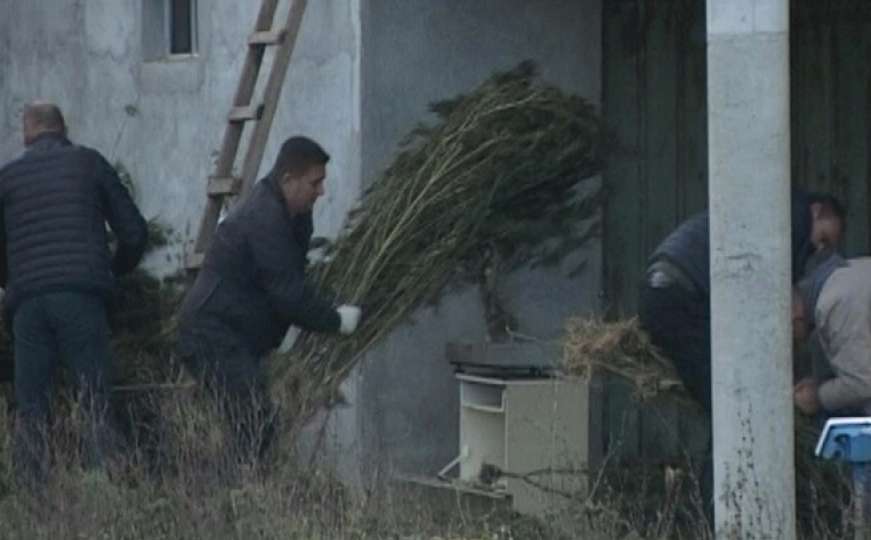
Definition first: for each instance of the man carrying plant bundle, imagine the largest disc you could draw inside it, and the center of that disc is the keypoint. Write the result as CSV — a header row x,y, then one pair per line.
x,y
252,288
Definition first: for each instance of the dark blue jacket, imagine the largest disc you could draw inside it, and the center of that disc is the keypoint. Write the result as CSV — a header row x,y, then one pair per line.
x,y
55,201
688,246
252,283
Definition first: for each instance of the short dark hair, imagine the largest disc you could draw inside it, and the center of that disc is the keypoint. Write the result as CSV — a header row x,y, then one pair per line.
x,y
296,155
830,203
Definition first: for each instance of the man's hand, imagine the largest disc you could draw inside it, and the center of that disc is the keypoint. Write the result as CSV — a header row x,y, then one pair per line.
x,y
806,396
350,316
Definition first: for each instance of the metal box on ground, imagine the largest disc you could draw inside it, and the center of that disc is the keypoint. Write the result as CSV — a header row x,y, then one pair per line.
x,y
523,431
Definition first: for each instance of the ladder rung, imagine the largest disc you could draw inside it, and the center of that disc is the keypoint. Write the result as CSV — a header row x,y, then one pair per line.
x,y
242,114
268,37
194,261
229,185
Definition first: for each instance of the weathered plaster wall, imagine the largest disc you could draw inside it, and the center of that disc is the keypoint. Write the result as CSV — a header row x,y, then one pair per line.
x,y
416,52
164,119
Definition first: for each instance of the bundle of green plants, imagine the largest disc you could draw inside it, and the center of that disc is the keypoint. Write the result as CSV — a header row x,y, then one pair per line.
x,y
499,171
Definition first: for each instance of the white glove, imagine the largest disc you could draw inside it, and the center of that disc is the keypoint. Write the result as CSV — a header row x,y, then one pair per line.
x,y
319,256
350,316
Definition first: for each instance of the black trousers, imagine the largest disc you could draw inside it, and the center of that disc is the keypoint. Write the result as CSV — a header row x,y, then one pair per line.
x,y
679,324
59,327
233,378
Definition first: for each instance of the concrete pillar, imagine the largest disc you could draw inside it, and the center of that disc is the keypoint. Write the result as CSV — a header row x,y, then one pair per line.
x,y
749,163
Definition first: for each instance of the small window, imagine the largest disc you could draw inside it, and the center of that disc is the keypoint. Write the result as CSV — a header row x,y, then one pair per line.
x,y
182,26
169,28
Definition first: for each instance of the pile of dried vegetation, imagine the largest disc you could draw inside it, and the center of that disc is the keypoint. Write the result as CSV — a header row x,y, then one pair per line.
x,y
497,175
621,348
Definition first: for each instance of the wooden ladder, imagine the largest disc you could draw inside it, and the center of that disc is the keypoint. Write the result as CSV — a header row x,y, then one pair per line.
x,y
223,184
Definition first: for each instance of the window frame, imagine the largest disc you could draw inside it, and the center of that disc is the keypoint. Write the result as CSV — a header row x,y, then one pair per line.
x,y
168,31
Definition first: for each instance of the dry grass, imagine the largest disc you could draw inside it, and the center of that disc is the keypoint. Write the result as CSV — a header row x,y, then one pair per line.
x,y
178,477
185,482
621,348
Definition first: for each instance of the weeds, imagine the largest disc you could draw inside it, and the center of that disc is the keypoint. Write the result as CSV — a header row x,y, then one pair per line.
x,y
180,475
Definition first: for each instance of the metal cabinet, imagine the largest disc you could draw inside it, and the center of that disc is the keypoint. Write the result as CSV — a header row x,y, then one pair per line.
x,y
528,437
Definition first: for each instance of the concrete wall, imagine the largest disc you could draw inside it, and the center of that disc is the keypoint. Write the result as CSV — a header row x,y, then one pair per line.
x,y
164,119
405,417
416,52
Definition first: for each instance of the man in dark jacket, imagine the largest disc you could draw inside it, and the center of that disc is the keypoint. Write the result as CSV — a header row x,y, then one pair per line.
x,y
252,288
56,200
674,304
675,308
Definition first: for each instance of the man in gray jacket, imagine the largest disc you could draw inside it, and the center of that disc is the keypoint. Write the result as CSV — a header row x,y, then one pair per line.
x,y
252,288
834,301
